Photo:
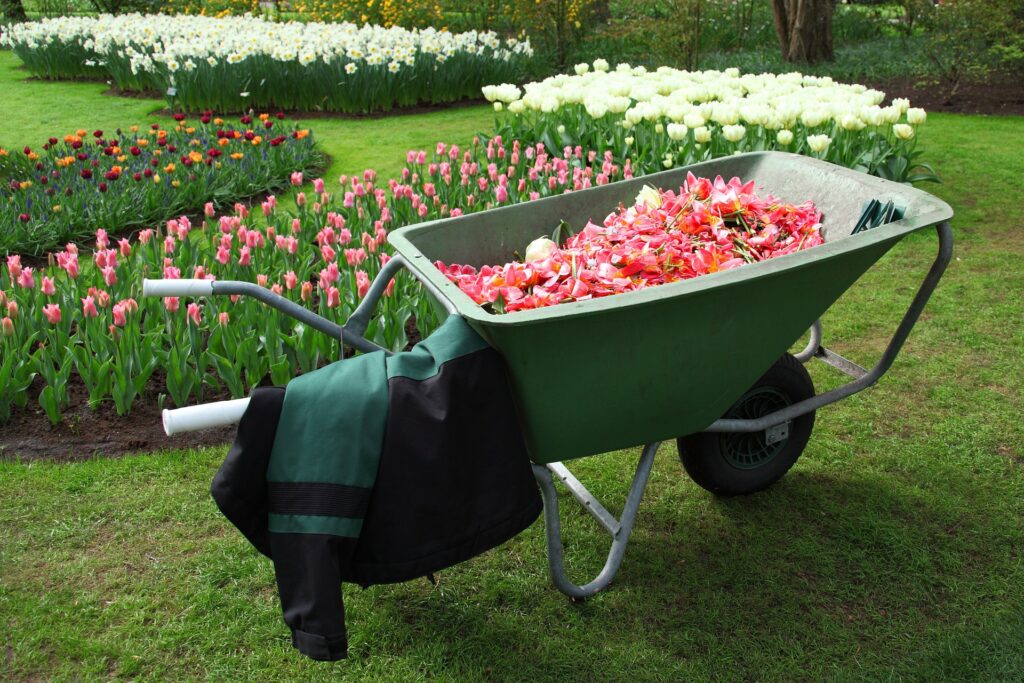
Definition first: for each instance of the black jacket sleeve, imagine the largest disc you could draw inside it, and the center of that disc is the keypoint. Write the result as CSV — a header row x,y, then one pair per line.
x,y
308,570
240,486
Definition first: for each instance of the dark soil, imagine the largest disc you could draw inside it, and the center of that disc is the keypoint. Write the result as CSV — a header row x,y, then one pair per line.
x,y
303,114
1002,97
85,433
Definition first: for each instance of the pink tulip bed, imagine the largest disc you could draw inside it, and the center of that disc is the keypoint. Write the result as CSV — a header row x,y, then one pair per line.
x,y
706,227
135,177
80,317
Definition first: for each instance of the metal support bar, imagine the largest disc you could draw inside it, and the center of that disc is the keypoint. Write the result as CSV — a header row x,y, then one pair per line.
x,y
586,498
844,365
813,344
895,344
620,537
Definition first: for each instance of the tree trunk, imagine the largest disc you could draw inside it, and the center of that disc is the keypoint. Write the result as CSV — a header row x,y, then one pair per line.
x,y
13,10
804,28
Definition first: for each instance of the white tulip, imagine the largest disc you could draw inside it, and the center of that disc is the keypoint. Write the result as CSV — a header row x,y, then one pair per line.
x,y
733,133
701,134
818,143
916,116
677,131
903,131
540,249
784,137
649,196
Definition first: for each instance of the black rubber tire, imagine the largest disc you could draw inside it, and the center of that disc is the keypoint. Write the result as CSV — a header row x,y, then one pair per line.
x,y
736,464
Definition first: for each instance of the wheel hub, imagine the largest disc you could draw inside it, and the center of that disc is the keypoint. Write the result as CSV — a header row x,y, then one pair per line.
x,y
749,450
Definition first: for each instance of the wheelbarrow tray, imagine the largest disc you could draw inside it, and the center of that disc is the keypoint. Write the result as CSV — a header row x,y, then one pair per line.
x,y
603,374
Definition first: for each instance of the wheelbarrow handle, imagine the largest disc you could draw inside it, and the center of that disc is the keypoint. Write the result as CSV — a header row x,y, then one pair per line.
x,y
224,413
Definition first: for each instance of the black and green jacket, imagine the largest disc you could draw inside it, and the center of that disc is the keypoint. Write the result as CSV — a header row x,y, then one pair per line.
x,y
377,469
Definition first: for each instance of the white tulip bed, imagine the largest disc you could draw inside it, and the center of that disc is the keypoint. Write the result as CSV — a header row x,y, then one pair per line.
x,y
237,63
667,118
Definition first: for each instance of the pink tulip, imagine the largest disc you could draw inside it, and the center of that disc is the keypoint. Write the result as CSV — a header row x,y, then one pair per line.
x,y
125,247
169,244
193,313
318,185
223,255
276,289
14,266
300,199
48,287
362,283
7,327
261,280
333,297
145,236
296,178
52,313
171,304
296,226
223,318
101,239
27,279
208,209
244,257
89,307
12,309
290,280
306,292
120,319
109,276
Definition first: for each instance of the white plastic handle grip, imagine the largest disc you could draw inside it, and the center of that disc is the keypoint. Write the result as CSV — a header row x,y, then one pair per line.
x,y
177,287
205,416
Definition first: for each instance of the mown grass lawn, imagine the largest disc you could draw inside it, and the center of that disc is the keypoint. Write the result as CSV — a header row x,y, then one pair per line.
x,y
893,550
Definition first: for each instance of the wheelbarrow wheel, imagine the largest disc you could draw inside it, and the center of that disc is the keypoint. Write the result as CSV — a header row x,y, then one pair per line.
x,y
738,463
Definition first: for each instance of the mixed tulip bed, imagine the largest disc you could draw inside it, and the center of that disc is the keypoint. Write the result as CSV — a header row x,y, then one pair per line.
x,y
669,118
82,313
68,186
238,63
708,226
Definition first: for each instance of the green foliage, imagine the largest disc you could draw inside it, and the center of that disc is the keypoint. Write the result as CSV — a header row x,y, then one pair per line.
x,y
975,39
125,178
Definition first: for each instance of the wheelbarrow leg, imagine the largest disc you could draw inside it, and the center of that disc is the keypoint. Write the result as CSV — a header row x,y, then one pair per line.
x,y
618,529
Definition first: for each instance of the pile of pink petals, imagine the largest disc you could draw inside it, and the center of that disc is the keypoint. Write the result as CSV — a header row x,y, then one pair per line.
x,y
664,237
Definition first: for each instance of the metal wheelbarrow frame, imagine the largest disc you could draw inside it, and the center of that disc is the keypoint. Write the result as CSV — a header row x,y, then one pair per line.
x,y
930,212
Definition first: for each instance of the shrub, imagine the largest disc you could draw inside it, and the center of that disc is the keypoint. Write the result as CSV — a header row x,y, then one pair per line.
x,y
975,39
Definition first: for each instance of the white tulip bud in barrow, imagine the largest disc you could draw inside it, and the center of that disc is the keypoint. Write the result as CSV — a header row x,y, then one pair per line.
x,y
540,249
784,137
818,143
916,116
903,131
649,196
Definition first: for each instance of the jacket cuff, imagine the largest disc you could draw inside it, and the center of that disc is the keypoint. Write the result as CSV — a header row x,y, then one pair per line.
x,y
320,648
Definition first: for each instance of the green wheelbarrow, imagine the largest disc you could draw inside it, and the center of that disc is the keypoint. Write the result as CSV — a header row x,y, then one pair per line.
x,y
703,361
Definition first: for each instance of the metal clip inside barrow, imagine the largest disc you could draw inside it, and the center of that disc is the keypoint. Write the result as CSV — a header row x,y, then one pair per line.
x,y
774,425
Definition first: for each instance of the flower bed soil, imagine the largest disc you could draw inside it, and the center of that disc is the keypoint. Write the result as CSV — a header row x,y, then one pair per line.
x,y
1002,97
85,433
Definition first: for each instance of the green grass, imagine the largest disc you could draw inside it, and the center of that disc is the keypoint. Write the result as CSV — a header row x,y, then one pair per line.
x,y
892,551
